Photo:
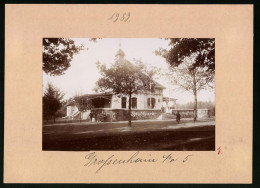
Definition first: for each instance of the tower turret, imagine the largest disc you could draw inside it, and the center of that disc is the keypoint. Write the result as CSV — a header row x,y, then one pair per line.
x,y
120,55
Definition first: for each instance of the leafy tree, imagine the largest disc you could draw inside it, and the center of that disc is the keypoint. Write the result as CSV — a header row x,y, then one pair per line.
x,y
82,103
58,53
52,102
62,112
181,48
191,64
125,78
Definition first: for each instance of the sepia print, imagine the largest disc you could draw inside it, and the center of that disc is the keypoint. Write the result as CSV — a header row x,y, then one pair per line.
x,y
123,94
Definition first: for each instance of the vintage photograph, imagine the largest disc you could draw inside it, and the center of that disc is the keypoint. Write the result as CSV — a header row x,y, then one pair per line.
x,y
128,94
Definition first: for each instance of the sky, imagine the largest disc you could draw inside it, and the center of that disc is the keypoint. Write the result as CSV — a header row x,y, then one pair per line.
x,y
81,77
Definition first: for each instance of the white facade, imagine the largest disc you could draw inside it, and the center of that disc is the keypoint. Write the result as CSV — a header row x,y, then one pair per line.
x,y
142,101
139,101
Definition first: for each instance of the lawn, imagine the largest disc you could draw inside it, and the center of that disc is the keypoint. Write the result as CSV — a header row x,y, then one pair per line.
x,y
153,135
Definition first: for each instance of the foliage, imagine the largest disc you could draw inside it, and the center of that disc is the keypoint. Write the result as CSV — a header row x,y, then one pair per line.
x,y
82,103
57,54
62,112
191,80
52,101
191,65
203,49
125,78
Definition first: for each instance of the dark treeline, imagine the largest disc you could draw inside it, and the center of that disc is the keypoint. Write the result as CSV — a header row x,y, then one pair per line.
x,y
201,105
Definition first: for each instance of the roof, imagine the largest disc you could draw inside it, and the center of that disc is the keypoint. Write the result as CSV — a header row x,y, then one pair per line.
x,y
158,85
120,53
92,96
98,94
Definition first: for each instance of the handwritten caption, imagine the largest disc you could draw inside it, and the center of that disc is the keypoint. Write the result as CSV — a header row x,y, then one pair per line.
x,y
94,159
120,17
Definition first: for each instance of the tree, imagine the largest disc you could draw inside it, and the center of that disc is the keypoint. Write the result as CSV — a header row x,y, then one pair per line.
x,y
52,102
82,103
125,78
202,48
191,64
57,54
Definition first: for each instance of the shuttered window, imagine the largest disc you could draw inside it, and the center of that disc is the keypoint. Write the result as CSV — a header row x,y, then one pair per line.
x,y
134,102
123,102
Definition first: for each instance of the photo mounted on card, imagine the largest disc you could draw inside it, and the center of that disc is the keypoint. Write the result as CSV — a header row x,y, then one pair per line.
x,y
109,98
121,94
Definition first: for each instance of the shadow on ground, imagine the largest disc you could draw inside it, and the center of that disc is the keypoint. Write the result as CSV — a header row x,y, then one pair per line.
x,y
143,136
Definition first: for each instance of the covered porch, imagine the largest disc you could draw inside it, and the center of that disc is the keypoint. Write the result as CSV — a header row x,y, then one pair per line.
x,y
168,104
100,100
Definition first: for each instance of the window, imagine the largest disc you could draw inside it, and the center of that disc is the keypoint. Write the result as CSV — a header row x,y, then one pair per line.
x,y
153,103
134,102
123,102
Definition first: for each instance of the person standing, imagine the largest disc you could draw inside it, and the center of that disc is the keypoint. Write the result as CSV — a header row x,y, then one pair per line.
x,y
178,117
91,116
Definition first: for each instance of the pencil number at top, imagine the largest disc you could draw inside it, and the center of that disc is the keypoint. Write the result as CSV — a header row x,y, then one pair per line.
x,y
120,17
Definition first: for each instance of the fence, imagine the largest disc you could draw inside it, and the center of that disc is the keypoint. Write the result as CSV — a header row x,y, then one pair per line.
x,y
189,113
106,115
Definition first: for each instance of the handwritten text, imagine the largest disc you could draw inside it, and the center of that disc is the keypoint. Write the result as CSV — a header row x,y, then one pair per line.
x,y
93,159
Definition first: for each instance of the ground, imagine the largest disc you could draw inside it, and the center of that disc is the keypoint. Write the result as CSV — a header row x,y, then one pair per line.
x,y
143,135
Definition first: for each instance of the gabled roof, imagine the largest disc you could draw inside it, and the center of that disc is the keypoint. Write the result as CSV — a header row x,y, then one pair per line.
x,y
92,96
158,85
98,94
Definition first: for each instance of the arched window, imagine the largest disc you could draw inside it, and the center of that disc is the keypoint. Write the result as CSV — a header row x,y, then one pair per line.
x,y
153,103
123,102
134,102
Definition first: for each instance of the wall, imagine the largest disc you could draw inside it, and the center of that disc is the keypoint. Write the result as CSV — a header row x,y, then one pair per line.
x,y
145,114
189,113
108,115
141,101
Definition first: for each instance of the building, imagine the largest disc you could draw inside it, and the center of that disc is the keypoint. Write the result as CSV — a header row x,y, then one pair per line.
x,y
144,105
